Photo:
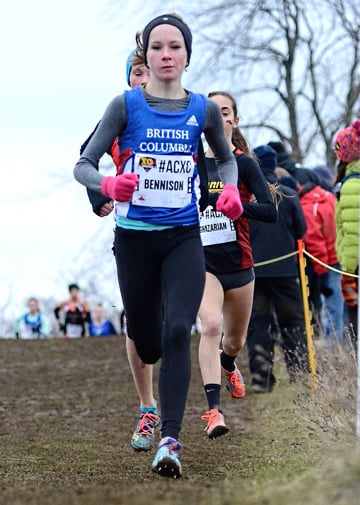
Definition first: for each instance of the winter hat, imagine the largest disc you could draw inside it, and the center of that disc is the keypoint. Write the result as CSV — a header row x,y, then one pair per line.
x,y
167,19
267,158
284,158
307,176
347,143
278,147
289,181
129,64
324,174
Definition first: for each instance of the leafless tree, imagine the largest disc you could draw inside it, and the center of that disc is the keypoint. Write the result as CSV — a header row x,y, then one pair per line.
x,y
293,65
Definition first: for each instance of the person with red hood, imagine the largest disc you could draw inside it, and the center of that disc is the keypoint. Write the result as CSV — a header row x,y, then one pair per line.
x,y
318,206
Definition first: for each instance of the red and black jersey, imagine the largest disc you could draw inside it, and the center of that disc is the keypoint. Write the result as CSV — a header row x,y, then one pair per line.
x,y
237,255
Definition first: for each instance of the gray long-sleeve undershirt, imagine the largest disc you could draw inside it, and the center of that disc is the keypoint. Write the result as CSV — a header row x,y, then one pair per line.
x,y
113,124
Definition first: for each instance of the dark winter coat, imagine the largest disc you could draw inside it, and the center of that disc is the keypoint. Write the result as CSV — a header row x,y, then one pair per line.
x,y
271,240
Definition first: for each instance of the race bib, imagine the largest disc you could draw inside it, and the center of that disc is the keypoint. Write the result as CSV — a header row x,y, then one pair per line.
x,y
27,332
215,228
164,180
74,330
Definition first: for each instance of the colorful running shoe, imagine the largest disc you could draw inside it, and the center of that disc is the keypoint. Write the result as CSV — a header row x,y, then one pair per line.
x,y
234,383
215,423
143,438
166,462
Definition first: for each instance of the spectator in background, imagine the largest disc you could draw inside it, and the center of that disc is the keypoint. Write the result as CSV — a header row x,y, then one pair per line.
x,y
33,323
277,288
295,169
99,325
318,206
286,179
347,150
73,314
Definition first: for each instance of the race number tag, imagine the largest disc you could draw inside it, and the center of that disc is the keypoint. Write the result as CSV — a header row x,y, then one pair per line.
x,y
215,228
164,180
74,330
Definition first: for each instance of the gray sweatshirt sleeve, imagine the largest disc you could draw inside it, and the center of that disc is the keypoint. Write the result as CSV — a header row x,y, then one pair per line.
x,y
112,125
214,134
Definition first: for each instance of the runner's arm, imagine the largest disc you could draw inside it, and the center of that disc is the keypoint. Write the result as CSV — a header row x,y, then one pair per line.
x,y
214,134
112,125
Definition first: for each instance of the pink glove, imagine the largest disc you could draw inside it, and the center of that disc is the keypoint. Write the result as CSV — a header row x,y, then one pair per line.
x,y
119,188
229,202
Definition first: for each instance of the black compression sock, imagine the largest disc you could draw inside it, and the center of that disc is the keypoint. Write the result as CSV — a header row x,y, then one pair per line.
x,y
227,362
212,392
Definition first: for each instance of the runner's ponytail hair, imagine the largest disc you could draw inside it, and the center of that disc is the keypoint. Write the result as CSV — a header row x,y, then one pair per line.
x,y
139,52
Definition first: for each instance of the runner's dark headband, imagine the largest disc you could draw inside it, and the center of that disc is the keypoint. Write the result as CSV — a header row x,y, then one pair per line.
x,y
167,19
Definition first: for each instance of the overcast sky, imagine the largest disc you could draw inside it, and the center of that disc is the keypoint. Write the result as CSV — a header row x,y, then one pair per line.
x,y
61,63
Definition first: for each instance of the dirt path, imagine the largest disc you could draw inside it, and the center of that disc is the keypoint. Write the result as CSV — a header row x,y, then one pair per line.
x,y
68,409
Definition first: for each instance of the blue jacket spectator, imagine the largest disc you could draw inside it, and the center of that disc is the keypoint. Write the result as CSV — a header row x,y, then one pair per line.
x,y
100,326
33,323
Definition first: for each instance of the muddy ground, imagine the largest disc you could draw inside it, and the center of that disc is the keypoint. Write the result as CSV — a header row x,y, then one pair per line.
x,y
68,409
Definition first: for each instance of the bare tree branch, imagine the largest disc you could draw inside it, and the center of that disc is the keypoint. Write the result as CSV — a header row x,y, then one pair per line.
x,y
293,65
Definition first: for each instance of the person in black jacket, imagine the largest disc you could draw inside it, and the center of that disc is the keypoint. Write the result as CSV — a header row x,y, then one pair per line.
x,y
277,297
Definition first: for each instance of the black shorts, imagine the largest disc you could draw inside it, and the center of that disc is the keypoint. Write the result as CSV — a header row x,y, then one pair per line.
x,y
233,280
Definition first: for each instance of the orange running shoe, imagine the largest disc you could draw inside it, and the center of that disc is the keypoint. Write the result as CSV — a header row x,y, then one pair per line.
x,y
215,423
234,383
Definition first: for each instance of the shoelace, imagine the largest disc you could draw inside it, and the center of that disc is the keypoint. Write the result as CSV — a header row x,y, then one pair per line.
x,y
147,420
173,445
209,415
235,378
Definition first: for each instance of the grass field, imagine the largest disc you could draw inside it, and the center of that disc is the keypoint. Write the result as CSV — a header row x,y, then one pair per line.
x,y
68,409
